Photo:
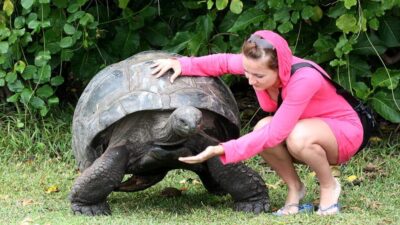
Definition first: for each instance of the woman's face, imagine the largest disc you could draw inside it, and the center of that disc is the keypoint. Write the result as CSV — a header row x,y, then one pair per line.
x,y
259,75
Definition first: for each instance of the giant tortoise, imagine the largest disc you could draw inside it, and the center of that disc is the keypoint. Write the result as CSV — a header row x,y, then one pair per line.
x,y
127,122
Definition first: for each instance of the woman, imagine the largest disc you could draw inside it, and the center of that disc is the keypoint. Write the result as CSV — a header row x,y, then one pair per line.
x,y
313,125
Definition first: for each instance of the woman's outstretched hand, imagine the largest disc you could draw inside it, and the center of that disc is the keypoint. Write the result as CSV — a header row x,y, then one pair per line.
x,y
208,153
161,66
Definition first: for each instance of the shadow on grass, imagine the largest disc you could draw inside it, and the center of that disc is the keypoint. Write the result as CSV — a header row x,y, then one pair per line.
x,y
187,203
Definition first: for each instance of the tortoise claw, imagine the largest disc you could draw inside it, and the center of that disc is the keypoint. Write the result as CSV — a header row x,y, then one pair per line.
x,y
99,209
252,206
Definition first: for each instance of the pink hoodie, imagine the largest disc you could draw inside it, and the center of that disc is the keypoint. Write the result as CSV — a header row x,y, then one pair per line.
x,y
306,94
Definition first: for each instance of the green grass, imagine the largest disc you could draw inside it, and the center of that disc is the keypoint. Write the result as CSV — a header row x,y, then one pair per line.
x,y
38,156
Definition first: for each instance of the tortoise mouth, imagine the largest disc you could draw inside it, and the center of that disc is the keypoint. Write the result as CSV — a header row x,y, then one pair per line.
x,y
185,131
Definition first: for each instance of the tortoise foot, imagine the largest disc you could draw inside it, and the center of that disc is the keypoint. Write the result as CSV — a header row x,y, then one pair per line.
x,y
99,209
252,206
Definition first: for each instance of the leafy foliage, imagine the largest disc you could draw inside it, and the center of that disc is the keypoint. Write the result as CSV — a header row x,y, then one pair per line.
x,y
43,43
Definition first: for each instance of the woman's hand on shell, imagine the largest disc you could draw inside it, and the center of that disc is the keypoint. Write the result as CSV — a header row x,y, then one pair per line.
x,y
161,66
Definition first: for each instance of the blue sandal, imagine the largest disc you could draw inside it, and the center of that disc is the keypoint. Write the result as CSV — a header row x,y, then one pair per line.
x,y
303,208
335,206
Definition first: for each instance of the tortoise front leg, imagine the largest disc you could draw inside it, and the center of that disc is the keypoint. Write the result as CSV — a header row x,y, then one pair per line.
x,y
90,190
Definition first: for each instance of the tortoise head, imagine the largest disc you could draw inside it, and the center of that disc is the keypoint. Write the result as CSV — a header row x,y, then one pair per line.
x,y
186,120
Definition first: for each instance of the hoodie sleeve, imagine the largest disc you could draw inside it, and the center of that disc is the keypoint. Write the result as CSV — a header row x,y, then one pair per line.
x,y
300,90
212,65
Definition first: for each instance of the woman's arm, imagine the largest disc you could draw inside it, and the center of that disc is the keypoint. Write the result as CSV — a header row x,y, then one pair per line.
x,y
212,65
300,91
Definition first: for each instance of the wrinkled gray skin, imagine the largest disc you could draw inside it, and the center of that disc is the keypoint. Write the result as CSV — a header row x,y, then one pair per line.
x,y
147,143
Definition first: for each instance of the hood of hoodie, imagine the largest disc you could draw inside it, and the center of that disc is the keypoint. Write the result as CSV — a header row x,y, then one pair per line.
x,y
284,54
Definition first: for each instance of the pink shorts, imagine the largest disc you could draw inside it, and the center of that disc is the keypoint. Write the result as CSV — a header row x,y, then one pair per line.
x,y
349,135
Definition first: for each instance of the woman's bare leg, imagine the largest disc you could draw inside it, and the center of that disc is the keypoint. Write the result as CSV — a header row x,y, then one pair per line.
x,y
313,143
282,162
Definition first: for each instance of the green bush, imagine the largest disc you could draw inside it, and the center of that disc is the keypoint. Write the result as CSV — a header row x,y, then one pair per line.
x,y
45,42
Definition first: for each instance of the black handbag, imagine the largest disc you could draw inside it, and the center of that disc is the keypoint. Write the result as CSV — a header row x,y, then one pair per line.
x,y
364,112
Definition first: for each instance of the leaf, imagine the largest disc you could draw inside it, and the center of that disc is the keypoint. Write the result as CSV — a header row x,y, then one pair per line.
x,y
13,98
26,96
282,16
37,102
347,23
123,3
52,189
16,86
204,26
349,3
43,75
307,12
57,80
276,4
75,16
26,4
53,101
45,24
3,47
250,16
26,202
126,42
336,11
324,43
373,24
210,4
381,79
69,29
43,111
19,66
61,4
67,54
363,46
29,71
2,82
382,103
179,42
221,4
351,178
11,77
236,6
389,31
45,91
72,8
34,25
19,22
157,34
285,27
8,7
42,58
66,42
86,19
4,32
362,90
44,1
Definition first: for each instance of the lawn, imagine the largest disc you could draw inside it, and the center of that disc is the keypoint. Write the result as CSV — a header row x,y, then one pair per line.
x,y
37,170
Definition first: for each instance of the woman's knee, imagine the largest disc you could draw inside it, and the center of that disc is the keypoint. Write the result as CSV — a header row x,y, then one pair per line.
x,y
298,139
262,122
302,138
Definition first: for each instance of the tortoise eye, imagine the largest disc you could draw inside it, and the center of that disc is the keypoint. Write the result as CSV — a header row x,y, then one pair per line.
x,y
182,121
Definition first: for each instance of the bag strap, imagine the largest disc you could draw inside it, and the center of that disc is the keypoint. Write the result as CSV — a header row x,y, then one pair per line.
x,y
339,89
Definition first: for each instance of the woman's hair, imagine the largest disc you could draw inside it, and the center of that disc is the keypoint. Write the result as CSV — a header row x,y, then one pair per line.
x,y
253,51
